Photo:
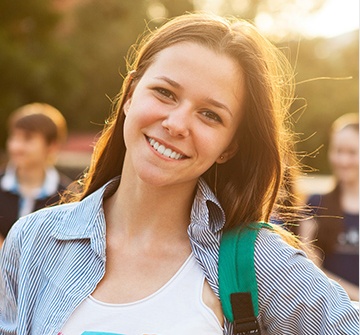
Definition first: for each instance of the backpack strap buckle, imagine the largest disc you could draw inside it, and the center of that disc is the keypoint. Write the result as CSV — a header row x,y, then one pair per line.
x,y
249,326
245,321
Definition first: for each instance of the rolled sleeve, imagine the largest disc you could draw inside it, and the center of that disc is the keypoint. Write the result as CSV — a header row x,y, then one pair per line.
x,y
295,296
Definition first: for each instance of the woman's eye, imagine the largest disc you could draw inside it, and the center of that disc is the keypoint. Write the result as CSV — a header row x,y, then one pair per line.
x,y
212,116
164,92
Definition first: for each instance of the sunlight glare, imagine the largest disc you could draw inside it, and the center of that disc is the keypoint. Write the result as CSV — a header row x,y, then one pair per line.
x,y
291,18
335,18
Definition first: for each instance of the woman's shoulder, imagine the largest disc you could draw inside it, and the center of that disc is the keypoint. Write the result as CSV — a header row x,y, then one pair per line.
x,y
35,228
270,245
44,218
68,219
276,259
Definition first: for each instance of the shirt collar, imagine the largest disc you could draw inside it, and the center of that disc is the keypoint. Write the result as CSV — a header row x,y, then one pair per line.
x,y
86,219
206,209
78,222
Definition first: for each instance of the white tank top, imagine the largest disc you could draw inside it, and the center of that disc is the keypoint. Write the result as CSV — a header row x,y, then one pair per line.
x,y
175,309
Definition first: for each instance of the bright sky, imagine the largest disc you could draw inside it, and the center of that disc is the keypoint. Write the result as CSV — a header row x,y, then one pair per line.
x,y
335,18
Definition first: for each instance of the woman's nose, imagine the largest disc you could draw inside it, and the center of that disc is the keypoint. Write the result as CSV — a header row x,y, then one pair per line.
x,y
177,122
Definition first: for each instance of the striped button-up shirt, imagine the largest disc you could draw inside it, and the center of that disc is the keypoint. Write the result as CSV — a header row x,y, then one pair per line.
x,y
53,259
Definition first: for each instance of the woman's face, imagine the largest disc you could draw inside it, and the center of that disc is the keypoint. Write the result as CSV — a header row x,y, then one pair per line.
x,y
183,114
344,155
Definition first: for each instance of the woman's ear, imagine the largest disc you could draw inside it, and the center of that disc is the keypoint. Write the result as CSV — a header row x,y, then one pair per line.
x,y
229,153
127,106
132,86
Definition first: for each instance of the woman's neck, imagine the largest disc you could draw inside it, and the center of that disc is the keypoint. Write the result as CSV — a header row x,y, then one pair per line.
x,y
137,207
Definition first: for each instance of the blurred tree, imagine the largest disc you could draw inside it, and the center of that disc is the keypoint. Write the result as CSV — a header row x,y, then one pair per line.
x,y
328,79
100,37
175,8
33,66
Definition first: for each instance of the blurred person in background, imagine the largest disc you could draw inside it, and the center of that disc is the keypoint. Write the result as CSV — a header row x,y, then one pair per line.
x,y
334,229
30,181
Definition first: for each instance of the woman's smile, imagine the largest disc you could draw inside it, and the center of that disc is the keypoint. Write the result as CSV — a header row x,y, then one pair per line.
x,y
164,150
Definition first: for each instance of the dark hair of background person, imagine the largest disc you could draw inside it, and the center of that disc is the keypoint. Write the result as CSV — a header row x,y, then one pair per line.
x,y
40,118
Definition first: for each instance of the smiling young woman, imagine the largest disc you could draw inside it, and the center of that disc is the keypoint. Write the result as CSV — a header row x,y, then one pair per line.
x,y
196,145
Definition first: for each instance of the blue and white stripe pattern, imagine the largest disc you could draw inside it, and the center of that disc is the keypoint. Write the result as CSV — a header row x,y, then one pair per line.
x,y
54,258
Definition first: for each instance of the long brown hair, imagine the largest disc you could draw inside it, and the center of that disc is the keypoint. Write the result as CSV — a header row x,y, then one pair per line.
x,y
248,184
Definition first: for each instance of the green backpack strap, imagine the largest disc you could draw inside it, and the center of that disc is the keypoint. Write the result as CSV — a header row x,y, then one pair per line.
x,y
237,272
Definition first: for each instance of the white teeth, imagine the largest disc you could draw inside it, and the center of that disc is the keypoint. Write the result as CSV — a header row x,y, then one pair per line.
x,y
161,149
167,152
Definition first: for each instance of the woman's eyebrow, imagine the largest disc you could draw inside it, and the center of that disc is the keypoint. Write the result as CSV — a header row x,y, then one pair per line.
x,y
169,81
218,104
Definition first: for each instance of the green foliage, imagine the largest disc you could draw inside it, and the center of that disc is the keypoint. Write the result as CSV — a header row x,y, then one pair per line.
x,y
99,41
33,66
327,73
